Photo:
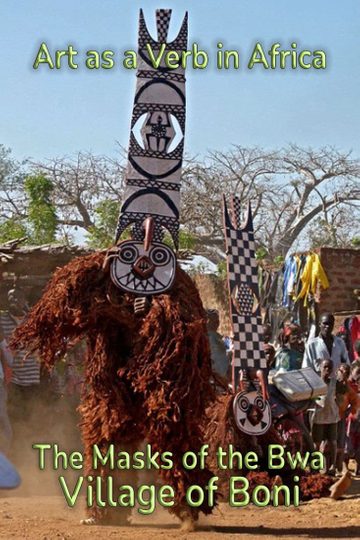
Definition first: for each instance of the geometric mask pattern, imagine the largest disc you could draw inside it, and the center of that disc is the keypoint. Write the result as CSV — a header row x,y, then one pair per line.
x,y
143,271
245,313
252,413
153,174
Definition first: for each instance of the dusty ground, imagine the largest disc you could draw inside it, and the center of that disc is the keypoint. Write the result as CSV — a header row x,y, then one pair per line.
x,y
38,509
49,518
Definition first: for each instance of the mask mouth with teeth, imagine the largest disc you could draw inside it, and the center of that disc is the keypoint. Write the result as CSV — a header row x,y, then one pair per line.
x,y
143,267
142,271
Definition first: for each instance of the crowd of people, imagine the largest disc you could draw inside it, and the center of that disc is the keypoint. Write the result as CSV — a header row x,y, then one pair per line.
x,y
31,400
334,418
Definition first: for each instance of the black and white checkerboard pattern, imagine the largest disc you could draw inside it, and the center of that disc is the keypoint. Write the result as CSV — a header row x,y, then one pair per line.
x,y
236,208
242,278
162,24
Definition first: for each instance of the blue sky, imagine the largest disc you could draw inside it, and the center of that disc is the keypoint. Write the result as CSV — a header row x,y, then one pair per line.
x,y
46,113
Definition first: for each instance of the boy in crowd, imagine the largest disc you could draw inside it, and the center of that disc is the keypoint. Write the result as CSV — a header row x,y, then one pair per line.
x,y
353,422
347,401
269,356
326,416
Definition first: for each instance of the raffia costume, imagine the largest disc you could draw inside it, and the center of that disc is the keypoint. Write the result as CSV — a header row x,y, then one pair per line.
x,y
148,369
147,374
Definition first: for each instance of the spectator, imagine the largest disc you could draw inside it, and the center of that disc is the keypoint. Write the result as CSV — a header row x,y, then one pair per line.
x,y
345,336
326,345
357,349
290,354
5,427
347,401
219,357
269,356
24,386
267,333
353,423
326,416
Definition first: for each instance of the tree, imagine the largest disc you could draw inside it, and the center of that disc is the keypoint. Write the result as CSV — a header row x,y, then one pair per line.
x,y
289,189
320,182
80,192
101,235
12,228
248,173
301,197
12,177
41,214
80,184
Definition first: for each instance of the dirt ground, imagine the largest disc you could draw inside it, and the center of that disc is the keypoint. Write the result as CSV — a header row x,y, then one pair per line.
x,y
38,509
48,517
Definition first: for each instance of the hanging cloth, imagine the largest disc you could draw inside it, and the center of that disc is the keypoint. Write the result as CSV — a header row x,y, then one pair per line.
x,y
289,279
312,274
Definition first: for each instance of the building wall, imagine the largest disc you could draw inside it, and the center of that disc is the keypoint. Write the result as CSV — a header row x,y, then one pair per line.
x,y
342,267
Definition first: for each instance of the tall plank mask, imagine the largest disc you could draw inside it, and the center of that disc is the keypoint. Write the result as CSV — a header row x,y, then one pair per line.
x,y
144,264
251,407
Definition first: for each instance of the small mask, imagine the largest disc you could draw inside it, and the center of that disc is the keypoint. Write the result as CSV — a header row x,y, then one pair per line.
x,y
252,413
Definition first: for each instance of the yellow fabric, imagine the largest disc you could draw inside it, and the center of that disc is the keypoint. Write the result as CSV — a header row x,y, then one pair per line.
x,y
313,272
318,274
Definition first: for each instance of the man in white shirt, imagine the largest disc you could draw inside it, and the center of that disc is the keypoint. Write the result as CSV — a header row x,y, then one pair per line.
x,y
326,345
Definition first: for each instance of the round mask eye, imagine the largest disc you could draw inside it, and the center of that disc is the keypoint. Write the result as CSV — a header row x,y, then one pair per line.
x,y
244,403
259,403
128,254
159,256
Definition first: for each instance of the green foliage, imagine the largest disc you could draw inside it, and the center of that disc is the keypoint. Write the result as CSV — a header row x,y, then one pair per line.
x,y
222,269
186,240
261,253
41,211
355,241
102,235
278,260
11,229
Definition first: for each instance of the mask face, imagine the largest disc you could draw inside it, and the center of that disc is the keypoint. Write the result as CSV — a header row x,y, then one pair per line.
x,y
252,413
141,271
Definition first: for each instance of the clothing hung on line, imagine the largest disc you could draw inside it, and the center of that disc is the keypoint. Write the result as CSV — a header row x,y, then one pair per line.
x,y
290,292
